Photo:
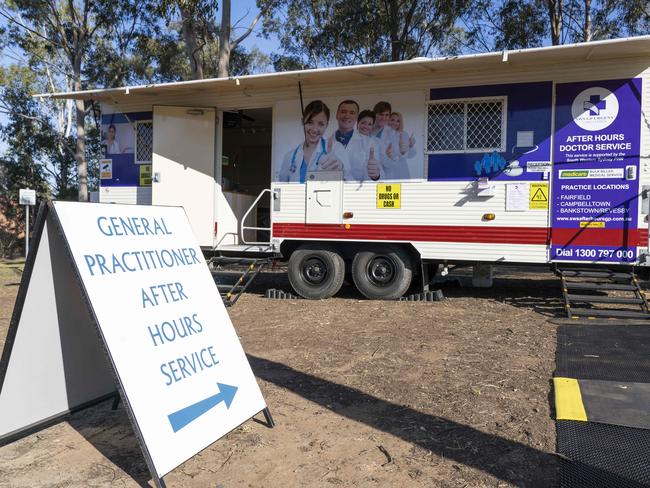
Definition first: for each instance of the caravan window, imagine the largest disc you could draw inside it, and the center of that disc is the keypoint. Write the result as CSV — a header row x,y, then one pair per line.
x,y
143,142
468,125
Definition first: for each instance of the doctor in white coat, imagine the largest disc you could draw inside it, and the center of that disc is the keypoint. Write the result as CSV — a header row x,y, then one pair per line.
x,y
361,151
316,153
406,147
387,140
112,146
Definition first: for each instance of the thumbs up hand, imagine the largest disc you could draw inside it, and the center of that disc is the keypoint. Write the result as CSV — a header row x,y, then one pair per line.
x,y
403,143
411,140
389,151
373,165
330,161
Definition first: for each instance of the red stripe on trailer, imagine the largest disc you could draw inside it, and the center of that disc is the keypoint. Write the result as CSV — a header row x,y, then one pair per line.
x,y
414,233
453,233
600,237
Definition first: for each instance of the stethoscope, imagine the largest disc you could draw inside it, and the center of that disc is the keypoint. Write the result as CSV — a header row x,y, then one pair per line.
x,y
293,167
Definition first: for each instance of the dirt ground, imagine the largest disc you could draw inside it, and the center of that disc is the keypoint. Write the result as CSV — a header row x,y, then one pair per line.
x,y
364,393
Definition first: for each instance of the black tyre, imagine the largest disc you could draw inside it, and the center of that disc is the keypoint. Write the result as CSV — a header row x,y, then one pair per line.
x,y
382,272
316,271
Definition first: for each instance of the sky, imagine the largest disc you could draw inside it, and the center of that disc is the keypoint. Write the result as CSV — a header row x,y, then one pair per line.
x,y
246,11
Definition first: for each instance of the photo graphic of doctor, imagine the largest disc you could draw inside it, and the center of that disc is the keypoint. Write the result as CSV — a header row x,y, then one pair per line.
x,y
112,146
387,139
316,153
405,143
361,151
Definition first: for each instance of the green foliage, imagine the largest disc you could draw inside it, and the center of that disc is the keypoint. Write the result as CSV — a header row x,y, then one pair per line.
x,y
511,24
20,166
162,54
30,137
338,32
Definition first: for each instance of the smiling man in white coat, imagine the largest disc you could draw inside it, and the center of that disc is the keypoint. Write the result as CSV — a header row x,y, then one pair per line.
x,y
360,149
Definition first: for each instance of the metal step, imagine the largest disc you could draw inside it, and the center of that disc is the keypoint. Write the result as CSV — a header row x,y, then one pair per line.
x,y
594,312
570,273
234,260
229,288
604,299
598,286
599,321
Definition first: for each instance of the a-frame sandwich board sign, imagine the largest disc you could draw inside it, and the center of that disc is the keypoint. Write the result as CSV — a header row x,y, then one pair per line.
x,y
120,297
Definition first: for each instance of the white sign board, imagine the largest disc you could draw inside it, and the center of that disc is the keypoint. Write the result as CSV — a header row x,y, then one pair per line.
x,y
26,197
180,368
516,197
175,351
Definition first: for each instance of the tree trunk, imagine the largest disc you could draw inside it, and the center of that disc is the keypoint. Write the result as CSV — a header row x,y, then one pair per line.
x,y
188,31
395,41
224,41
587,29
555,18
80,150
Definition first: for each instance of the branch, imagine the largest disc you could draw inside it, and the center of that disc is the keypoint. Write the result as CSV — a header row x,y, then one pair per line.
x,y
6,111
236,24
11,19
58,26
241,38
252,25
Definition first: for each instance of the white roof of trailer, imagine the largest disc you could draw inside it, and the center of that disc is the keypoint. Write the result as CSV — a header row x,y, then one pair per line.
x,y
588,51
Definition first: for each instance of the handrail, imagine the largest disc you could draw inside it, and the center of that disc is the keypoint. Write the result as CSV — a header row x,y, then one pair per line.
x,y
244,228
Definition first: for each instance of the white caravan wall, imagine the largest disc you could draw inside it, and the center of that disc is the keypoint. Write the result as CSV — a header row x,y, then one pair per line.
x,y
183,165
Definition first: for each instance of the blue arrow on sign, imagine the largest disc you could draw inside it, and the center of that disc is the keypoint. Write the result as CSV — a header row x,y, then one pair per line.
x,y
189,414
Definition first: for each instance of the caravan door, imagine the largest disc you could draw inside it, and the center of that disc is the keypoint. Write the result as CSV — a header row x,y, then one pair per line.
x,y
324,192
183,165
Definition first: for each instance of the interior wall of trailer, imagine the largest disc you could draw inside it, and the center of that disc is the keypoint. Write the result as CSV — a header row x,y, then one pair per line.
x,y
245,173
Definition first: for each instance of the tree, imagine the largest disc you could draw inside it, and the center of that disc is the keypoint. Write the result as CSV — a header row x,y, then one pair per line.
x,y
227,45
60,38
21,166
336,32
511,24
31,135
187,45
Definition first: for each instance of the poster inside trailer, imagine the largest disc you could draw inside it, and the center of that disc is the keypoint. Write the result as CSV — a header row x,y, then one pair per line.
x,y
596,171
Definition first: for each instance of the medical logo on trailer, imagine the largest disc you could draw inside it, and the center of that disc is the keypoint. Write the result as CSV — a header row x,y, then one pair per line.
x,y
594,108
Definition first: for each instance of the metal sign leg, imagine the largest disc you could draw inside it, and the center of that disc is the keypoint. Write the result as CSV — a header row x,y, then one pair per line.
x,y
269,419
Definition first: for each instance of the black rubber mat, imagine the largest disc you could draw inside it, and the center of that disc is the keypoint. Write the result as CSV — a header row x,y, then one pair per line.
x,y
602,352
603,456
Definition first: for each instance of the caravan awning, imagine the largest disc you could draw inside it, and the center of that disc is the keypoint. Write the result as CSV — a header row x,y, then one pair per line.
x,y
590,51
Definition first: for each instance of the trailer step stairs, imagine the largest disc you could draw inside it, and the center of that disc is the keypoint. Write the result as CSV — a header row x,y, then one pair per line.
x,y
233,275
603,294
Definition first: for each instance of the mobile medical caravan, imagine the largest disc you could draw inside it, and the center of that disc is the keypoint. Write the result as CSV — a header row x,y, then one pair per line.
x,y
529,156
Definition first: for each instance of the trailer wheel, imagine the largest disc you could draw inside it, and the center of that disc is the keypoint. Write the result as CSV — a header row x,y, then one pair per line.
x,y
382,272
316,271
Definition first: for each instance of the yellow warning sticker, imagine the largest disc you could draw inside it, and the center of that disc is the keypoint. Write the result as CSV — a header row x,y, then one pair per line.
x,y
592,225
538,199
145,175
105,169
389,195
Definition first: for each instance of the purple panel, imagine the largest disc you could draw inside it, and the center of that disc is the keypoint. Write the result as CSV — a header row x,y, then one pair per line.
x,y
596,165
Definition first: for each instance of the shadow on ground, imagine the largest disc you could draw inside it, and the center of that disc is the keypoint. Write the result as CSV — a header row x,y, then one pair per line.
x,y
111,433
542,295
504,459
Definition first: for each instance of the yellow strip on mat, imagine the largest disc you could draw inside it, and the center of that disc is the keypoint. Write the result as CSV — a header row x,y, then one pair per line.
x,y
568,400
